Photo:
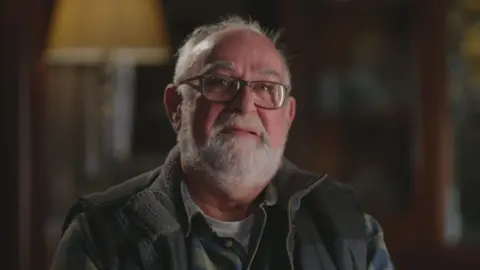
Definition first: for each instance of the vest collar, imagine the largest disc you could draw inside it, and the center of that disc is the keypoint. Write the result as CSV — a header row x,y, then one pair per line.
x,y
159,209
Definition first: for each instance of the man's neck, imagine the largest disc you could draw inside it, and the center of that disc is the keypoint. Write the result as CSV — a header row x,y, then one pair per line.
x,y
218,205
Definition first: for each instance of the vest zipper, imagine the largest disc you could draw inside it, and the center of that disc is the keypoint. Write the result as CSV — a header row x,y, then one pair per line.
x,y
259,237
300,195
289,235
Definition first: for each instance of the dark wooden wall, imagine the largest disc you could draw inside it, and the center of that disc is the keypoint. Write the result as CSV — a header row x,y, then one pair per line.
x,y
23,28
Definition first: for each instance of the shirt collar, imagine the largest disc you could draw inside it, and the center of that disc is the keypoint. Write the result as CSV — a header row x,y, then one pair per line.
x,y
268,197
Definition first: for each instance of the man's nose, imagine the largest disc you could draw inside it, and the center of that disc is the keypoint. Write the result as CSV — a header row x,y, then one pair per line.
x,y
244,101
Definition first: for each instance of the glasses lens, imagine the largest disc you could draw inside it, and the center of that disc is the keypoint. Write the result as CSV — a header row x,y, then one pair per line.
x,y
218,88
269,94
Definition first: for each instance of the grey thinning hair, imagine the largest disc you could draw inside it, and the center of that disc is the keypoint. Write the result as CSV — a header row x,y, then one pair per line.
x,y
186,59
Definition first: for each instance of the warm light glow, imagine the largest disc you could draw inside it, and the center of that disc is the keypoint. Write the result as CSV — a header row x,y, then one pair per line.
x,y
84,30
470,4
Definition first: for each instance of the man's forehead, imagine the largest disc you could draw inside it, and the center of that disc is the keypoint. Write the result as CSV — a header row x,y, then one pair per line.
x,y
213,52
221,64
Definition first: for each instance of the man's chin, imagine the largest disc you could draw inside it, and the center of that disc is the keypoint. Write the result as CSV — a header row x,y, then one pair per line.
x,y
241,191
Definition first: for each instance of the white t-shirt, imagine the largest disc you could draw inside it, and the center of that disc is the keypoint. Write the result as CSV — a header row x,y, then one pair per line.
x,y
238,230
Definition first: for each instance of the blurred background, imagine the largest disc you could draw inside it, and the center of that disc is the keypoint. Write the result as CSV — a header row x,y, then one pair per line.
x,y
388,101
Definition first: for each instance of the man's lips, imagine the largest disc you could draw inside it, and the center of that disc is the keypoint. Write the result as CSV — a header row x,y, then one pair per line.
x,y
239,130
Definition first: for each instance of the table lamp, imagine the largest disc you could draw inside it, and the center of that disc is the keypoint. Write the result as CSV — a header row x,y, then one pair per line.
x,y
93,49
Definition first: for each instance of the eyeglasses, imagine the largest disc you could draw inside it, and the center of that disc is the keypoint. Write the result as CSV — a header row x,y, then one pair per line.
x,y
268,95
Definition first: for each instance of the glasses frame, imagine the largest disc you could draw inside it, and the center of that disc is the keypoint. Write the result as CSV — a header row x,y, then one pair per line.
x,y
240,84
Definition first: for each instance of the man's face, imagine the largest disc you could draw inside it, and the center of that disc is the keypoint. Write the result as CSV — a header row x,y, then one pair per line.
x,y
238,144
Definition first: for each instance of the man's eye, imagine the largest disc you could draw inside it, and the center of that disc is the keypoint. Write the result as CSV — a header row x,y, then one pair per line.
x,y
266,86
218,82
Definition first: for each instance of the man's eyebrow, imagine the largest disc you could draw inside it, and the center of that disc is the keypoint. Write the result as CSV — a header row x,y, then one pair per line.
x,y
270,72
219,64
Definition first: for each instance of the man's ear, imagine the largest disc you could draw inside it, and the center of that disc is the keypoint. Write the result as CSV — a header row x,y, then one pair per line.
x,y
291,110
172,100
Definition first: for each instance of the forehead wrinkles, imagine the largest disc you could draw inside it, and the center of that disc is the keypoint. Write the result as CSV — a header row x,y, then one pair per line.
x,y
241,41
252,47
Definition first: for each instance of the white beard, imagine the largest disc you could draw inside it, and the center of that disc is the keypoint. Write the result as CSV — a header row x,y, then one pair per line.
x,y
235,165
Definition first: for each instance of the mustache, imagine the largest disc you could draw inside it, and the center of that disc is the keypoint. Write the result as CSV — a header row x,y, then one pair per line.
x,y
245,122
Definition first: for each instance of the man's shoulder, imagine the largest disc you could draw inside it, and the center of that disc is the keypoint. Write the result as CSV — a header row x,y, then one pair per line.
x,y
294,178
112,198
104,221
125,189
332,183
338,203
75,249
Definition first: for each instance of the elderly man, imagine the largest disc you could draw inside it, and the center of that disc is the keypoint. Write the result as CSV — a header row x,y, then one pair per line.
x,y
225,198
